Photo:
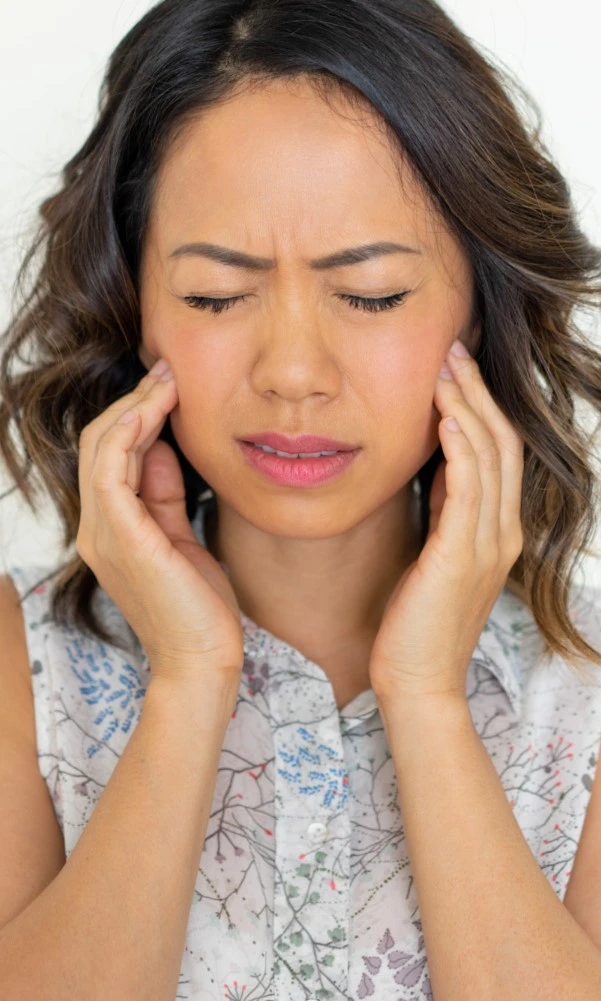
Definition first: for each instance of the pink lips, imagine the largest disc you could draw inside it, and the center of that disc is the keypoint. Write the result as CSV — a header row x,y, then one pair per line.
x,y
298,472
302,443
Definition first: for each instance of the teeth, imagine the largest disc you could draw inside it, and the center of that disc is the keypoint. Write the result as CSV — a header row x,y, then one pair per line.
x,y
291,455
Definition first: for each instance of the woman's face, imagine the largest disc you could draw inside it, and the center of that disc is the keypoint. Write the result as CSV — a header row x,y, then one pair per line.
x,y
280,175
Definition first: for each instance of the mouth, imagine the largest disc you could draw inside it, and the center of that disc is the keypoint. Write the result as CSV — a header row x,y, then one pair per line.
x,y
303,445
284,454
297,470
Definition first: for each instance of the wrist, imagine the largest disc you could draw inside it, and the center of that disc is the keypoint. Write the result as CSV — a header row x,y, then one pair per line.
x,y
193,671
187,720
425,711
200,692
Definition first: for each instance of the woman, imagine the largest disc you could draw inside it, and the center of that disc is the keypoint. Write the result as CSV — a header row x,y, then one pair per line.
x,y
291,710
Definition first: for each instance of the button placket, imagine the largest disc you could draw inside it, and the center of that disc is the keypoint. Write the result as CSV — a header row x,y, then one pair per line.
x,y
311,816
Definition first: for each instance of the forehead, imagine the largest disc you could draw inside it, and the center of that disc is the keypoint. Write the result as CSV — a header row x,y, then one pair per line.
x,y
280,162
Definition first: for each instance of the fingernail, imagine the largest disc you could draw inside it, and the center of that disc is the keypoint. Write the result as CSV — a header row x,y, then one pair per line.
x,y
451,424
161,366
458,348
445,372
128,417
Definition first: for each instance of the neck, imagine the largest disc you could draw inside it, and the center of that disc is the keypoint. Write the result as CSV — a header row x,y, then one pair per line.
x,y
325,597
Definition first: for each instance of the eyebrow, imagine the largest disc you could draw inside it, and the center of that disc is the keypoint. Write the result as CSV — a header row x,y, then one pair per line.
x,y
339,259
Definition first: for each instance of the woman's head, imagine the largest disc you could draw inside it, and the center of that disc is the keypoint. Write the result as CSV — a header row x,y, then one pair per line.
x,y
290,129
281,174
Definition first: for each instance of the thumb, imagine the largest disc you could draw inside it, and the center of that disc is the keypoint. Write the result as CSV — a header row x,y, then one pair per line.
x,y
437,497
163,492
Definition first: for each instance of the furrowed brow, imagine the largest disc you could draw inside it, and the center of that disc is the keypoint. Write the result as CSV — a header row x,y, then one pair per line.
x,y
339,259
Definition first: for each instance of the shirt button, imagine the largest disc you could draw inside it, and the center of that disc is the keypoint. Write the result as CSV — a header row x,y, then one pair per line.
x,y
316,833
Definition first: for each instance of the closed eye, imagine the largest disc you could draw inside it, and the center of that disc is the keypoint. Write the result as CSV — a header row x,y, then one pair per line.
x,y
369,305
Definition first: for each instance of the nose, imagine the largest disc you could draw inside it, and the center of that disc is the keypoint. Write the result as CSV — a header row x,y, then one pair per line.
x,y
297,354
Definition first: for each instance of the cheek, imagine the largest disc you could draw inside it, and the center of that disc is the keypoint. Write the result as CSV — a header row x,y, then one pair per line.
x,y
205,367
207,384
195,428
398,379
398,385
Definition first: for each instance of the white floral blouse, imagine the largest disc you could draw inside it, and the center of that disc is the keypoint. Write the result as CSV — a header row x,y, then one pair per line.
x,y
304,888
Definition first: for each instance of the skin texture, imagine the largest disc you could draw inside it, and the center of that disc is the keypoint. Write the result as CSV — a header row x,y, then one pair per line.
x,y
280,173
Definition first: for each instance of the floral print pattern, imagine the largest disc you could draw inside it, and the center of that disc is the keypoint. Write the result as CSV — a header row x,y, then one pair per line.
x,y
304,889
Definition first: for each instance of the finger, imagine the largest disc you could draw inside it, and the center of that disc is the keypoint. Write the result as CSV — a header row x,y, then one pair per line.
x,y
163,492
458,522
88,442
451,401
89,437
148,436
509,442
150,415
110,477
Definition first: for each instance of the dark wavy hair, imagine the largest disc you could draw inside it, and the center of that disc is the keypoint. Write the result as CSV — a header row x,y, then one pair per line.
x,y
451,113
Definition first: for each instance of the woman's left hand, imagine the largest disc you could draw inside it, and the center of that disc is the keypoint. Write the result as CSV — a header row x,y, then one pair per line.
x,y
434,616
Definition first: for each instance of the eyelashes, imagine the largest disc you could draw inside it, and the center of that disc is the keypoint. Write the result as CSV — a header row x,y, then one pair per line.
x,y
367,305
375,305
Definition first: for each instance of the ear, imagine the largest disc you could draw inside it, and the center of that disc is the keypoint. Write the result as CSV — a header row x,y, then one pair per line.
x,y
474,338
146,358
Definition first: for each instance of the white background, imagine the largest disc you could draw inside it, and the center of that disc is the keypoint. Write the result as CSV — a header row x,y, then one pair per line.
x,y
52,56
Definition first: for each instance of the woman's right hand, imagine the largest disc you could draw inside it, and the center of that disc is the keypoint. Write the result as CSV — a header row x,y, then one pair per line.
x,y
143,550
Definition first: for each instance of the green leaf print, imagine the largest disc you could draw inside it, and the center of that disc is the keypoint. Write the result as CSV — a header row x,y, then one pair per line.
x,y
292,890
304,869
320,857
314,897
328,960
296,937
337,934
306,970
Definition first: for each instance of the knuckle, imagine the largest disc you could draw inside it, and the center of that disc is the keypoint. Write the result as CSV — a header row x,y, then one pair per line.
x,y
465,363
101,486
517,544
491,555
471,495
143,386
464,448
490,458
513,442
513,545
136,394
475,376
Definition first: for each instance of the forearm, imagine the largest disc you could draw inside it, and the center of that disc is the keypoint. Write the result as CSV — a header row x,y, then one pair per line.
x,y
493,926
112,924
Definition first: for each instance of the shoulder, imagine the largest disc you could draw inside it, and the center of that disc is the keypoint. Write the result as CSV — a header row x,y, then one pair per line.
x,y
24,599
585,614
29,583
536,661
26,593
15,673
